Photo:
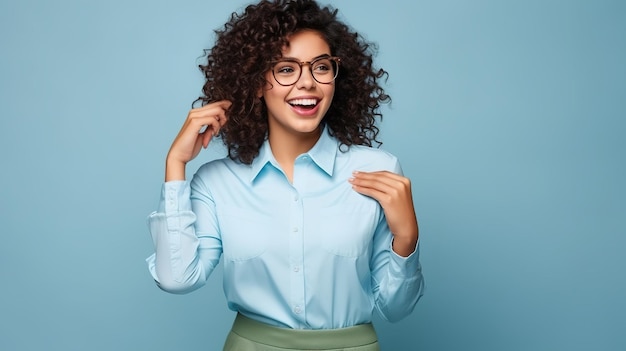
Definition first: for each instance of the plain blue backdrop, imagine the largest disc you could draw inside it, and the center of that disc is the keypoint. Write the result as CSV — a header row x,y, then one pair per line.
x,y
509,117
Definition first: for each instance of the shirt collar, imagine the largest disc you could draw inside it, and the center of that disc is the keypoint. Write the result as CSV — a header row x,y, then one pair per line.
x,y
322,154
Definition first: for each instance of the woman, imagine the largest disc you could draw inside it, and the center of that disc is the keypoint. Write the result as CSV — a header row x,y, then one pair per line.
x,y
316,227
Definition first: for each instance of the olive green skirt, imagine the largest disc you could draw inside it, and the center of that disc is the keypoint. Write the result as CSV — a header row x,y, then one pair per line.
x,y
250,335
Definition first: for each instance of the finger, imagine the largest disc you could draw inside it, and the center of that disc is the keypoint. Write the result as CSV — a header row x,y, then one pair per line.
x,y
209,131
372,186
379,182
200,124
206,139
217,109
213,109
376,194
223,104
218,115
212,125
385,176
381,179
203,121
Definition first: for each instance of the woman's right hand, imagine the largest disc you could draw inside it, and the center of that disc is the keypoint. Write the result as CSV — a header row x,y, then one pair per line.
x,y
201,125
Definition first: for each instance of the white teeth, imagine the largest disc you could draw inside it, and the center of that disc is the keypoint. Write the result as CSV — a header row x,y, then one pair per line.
x,y
304,102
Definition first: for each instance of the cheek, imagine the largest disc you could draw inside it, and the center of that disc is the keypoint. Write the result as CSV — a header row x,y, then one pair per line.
x,y
270,93
275,92
330,94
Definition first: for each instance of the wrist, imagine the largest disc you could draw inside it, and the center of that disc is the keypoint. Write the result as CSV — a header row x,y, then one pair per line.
x,y
174,170
404,246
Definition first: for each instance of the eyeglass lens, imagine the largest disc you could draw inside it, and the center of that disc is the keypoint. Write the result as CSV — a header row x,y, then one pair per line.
x,y
324,70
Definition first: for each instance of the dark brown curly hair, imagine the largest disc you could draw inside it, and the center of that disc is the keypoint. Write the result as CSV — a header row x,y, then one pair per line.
x,y
235,70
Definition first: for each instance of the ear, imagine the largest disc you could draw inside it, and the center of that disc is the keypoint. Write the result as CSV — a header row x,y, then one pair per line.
x,y
265,86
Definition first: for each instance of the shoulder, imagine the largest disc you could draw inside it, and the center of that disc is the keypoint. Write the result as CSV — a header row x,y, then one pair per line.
x,y
367,158
220,171
219,164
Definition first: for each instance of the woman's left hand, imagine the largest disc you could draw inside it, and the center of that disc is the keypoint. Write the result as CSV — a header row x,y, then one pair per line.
x,y
393,193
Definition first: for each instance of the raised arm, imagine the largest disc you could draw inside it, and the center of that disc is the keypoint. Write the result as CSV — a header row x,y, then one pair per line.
x,y
201,125
186,249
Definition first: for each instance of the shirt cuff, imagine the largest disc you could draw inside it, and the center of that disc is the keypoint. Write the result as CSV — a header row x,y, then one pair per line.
x,y
405,266
175,197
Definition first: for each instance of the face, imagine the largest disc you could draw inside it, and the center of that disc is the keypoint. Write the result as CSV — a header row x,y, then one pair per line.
x,y
298,109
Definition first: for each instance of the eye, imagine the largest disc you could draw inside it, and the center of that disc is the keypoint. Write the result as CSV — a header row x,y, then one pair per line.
x,y
286,68
323,66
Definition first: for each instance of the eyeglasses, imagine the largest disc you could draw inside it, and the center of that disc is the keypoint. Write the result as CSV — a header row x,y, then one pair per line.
x,y
288,71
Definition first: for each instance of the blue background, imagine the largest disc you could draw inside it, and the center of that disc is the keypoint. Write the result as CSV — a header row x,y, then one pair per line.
x,y
507,115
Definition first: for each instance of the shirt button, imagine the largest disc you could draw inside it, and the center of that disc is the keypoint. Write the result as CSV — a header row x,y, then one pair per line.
x,y
294,229
295,197
297,310
296,269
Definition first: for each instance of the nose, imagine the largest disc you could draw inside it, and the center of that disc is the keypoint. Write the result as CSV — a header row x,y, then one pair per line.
x,y
306,80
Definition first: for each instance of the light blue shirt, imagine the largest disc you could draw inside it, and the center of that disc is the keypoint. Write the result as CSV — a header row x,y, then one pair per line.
x,y
312,254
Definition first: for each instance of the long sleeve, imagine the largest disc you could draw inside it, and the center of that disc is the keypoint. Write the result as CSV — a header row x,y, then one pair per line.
x,y
397,281
185,254
307,254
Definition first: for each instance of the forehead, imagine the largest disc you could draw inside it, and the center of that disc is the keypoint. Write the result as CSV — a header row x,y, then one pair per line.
x,y
306,45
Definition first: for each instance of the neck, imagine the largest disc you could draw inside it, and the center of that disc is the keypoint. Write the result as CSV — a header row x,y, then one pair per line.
x,y
286,147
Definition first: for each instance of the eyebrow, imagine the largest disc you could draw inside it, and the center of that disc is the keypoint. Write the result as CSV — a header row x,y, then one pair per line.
x,y
287,58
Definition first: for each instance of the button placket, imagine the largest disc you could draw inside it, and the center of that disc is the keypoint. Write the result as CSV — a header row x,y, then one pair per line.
x,y
296,255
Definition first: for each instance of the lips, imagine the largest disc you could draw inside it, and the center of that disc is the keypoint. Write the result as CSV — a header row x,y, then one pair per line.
x,y
303,102
304,106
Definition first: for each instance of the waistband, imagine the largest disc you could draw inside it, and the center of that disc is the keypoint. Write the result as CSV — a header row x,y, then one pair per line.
x,y
318,339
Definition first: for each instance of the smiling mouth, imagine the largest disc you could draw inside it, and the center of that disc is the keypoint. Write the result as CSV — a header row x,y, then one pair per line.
x,y
304,103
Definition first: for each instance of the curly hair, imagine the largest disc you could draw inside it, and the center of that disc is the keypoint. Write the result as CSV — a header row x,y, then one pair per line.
x,y
235,70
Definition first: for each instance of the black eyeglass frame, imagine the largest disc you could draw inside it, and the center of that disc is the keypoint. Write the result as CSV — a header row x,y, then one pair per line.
x,y
335,59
